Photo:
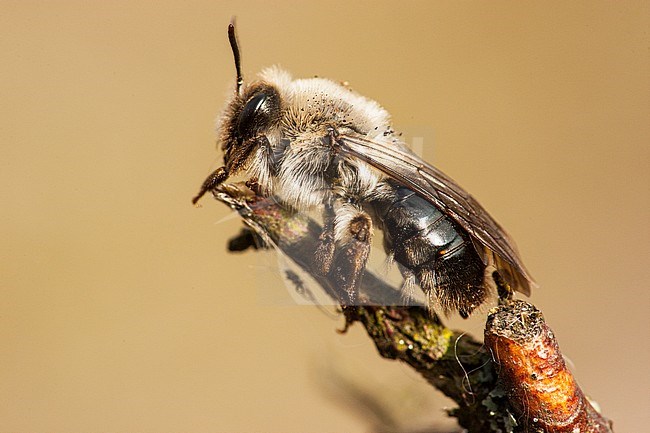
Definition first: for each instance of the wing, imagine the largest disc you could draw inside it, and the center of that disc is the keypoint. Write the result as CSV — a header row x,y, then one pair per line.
x,y
439,189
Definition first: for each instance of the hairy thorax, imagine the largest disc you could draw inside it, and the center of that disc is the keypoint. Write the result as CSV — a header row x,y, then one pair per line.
x,y
301,166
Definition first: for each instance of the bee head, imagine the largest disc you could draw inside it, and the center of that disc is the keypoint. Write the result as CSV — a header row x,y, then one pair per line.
x,y
245,122
254,109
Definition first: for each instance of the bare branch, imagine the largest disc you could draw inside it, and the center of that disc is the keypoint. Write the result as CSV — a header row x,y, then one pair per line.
x,y
540,388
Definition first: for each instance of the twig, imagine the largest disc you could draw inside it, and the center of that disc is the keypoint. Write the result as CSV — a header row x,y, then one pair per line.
x,y
541,389
456,364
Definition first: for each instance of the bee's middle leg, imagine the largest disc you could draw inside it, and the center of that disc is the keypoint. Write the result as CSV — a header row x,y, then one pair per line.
x,y
352,256
324,254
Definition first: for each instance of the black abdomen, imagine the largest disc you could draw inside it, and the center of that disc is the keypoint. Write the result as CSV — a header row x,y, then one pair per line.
x,y
429,245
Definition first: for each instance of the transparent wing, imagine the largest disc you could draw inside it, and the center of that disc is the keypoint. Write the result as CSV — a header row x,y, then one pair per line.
x,y
439,189
294,236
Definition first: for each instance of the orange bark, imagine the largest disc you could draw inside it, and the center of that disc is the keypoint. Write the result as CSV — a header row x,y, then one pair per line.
x,y
541,389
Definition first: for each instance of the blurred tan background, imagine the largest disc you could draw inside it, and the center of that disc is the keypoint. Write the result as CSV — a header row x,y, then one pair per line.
x,y
120,309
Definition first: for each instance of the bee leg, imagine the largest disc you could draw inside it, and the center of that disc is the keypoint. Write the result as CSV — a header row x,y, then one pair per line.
x,y
216,178
350,260
326,242
503,288
246,239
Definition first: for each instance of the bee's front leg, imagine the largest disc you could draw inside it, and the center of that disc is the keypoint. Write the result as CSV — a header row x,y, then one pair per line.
x,y
351,258
215,179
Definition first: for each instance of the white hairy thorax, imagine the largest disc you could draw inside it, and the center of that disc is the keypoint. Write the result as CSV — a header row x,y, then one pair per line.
x,y
301,150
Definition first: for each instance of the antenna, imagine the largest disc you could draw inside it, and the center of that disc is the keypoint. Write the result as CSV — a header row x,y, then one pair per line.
x,y
232,37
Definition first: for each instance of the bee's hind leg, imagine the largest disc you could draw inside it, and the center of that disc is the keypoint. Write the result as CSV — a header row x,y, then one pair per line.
x,y
504,290
351,257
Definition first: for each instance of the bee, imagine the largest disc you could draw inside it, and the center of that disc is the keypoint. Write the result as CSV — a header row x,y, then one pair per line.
x,y
313,144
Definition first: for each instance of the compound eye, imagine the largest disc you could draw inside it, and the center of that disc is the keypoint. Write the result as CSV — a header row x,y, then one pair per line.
x,y
255,115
